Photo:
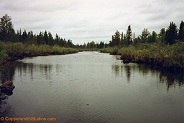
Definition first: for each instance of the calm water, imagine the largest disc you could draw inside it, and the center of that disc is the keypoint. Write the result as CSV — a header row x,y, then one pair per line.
x,y
92,87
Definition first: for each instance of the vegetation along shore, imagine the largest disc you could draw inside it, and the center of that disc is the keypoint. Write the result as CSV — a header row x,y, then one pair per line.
x,y
13,51
164,56
164,49
21,44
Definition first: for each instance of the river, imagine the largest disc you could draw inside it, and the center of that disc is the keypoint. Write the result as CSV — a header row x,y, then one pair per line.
x,y
92,87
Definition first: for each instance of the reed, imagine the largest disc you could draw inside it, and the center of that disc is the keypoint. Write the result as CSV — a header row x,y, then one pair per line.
x,y
167,56
13,51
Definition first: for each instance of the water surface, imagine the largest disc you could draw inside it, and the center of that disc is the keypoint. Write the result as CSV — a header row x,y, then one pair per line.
x,y
92,87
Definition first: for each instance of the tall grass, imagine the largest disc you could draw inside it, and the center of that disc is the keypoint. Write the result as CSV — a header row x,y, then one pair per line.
x,y
13,51
157,54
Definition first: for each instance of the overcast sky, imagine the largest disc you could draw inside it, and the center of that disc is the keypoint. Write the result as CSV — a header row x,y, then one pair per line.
x,y
92,20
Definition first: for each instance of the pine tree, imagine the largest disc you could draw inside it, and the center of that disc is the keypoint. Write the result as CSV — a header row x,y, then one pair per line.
x,y
46,40
162,35
129,36
171,34
40,38
57,39
30,38
6,28
117,38
24,36
50,39
145,35
153,36
101,45
181,32
113,41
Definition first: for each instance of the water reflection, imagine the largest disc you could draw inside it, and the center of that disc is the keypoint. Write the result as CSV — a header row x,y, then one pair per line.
x,y
7,73
128,72
171,78
91,87
6,85
117,70
30,68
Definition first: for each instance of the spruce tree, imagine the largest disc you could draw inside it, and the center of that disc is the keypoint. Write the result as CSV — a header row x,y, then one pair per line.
x,y
24,36
171,34
162,35
181,32
40,38
145,35
153,36
50,39
113,41
6,28
117,38
129,36
46,40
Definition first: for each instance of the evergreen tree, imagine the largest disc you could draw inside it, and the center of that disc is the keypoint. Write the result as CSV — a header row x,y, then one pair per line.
x,y
113,41
171,34
181,32
30,37
153,36
129,36
84,45
145,35
63,42
40,38
137,40
69,43
50,39
57,39
24,36
6,28
162,35
46,40
101,45
117,38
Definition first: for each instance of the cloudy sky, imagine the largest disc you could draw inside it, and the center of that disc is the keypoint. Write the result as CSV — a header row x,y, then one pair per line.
x,y
92,20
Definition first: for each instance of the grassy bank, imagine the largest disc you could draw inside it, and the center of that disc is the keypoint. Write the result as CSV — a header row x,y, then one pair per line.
x,y
14,51
166,56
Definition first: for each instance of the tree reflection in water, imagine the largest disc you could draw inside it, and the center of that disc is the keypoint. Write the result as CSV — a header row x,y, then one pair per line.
x,y
24,68
171,78
6,74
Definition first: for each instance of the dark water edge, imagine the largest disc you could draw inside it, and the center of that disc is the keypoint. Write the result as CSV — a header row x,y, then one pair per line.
x,y
153,63
13,57
168,78
173,63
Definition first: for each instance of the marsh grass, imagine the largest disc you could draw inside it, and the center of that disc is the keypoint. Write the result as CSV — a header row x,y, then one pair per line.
x,y
167,56
12,51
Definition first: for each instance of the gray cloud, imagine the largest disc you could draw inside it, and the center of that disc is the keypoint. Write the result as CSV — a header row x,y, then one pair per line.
x,y
87,20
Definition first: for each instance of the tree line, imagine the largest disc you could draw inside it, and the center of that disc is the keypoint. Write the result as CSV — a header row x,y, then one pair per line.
x,y
8,34
169,36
